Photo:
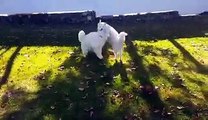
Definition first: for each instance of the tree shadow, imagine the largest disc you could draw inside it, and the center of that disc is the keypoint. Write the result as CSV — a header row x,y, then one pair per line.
x,y
78,91
187,107
205,94
11,94
199,67
7,48
148,91
201,84
177,82
119,68
9,65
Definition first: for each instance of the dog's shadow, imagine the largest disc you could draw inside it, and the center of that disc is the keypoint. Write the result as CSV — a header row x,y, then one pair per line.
x,y
119,68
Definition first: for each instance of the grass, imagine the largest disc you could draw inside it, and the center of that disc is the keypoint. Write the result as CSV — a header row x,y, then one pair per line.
x,y
164,79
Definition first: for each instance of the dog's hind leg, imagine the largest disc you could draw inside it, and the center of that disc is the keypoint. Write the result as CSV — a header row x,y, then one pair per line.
x,y
115,55
84,51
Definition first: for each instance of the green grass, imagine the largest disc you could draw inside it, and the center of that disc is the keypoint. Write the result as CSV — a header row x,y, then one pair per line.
x,y
162,79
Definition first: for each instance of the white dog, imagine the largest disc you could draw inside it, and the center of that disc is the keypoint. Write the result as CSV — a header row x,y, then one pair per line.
x,y
94,41
116,40
117,44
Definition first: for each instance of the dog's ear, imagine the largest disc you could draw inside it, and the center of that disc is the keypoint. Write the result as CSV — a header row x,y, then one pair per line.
x,y
100,21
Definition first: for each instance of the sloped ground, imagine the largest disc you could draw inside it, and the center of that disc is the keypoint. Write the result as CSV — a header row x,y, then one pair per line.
x,y
156,79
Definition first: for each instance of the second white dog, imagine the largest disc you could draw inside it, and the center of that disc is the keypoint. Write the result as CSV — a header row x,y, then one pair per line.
x,y
116,40
117,44
94,41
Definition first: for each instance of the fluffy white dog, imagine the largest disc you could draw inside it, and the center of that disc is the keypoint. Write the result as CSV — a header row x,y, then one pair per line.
x,y
116,40
117,44
94,42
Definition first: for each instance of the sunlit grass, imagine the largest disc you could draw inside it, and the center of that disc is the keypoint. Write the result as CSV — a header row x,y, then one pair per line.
x,y
48,80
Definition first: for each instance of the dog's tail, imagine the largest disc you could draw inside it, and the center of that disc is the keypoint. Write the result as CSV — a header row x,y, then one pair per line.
x,y
122,36
81,35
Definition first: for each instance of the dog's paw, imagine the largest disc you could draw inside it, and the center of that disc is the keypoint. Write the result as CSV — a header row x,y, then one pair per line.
x,y
100,57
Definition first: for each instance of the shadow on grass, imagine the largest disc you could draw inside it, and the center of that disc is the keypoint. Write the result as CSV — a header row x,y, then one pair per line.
x,y
119,68
199,67
8,68
12,94
7,48
148,91
77,92
177,82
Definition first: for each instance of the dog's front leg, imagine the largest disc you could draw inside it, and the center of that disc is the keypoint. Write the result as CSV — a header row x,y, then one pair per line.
x,y
120,54
98,52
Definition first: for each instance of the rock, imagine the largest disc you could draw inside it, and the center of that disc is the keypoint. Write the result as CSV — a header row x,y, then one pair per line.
x,y
49,86
107,84
128,70
27,56
87,78
180,107
175,65
61,68
70,52
81,89
156,111
141,87
156,87
52,107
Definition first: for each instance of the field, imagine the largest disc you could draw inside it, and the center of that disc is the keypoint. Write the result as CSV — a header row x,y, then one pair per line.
x,y
157,79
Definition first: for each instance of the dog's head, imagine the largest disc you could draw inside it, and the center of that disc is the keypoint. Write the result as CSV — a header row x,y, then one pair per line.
x,y
103,27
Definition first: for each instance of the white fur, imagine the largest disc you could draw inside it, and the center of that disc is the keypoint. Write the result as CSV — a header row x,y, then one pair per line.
x,y
118,45
94,41
116,40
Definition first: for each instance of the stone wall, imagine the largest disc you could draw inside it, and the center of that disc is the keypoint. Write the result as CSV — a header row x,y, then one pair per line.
x,y
89,16
160,25
62,28
136,17
49,18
